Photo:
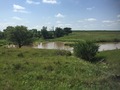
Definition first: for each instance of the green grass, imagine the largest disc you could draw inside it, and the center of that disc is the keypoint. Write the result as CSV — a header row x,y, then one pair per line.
x,y
97,36
36,69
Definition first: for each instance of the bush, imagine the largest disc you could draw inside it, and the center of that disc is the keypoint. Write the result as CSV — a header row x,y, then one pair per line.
x,y
86,50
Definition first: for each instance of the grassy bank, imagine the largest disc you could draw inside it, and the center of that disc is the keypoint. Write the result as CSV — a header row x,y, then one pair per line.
x,y
36,69
98,36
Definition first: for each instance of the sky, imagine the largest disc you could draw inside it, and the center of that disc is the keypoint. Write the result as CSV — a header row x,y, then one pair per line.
x,y
77,14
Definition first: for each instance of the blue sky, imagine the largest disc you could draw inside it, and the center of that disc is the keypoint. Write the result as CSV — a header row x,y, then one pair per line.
x,y
77,14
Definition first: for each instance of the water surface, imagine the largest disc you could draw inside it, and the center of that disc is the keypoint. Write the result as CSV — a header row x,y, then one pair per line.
x,y
61,46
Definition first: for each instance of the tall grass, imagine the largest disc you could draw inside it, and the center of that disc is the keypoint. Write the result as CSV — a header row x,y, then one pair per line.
x,y
36,69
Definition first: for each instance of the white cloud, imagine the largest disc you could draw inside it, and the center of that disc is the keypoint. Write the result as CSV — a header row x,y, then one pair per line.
x,y
17,18
107,21
18,8
50,1
90,19
90,8
59,15
32,2
118,16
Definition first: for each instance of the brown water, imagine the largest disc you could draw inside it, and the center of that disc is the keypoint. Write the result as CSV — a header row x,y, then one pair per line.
x,y
61,46
109,46
54,45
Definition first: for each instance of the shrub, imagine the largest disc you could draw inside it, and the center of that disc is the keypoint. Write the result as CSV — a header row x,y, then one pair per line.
x,y
86,50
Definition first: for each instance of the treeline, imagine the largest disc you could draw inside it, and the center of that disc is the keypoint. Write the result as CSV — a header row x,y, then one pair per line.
x,y
43,33
21,35
58,32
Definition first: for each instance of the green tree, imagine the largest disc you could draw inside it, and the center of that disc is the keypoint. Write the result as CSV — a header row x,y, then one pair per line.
x,y
67,30
19,35
44,32
59,32
86,50
35,33
39,34
8,30
1,35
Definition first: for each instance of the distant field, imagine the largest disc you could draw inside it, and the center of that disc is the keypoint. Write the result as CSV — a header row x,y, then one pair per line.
x,y
98,36
36,69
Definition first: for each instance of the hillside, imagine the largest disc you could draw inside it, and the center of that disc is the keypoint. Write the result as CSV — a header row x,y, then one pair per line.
x,y
37,69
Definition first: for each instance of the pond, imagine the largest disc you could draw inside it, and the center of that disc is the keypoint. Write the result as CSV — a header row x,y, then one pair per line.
x,y
61,46
109,46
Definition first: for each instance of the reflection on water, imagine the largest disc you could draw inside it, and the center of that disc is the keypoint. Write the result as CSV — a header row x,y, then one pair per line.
x,y
54,45
61,46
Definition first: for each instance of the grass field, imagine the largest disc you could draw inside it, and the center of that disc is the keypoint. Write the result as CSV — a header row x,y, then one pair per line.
x,y
98,36
36,69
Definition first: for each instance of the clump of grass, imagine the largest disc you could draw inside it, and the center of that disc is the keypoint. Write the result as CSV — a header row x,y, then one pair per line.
x,y
17,66
63,53
20,55
48,68
3,53
39,77
1,45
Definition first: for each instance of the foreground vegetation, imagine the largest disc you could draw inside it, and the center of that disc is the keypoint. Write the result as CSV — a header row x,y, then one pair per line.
x,y
36,69
86,50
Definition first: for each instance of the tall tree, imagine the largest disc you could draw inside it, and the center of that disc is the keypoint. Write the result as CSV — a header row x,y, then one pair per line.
x,y
59,32
19,35
67,30
34,32
44,32
7,31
